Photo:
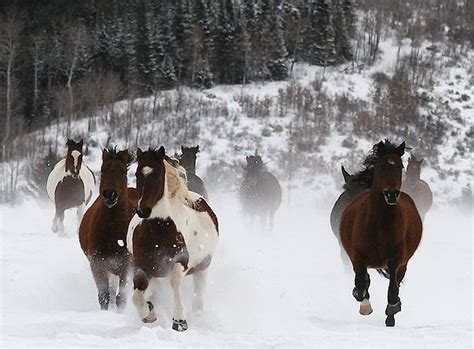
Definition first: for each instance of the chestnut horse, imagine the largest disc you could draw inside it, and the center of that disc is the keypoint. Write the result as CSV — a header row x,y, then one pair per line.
x,y
417,188
381,228
260,191
188,161
70,185
103,230
174,234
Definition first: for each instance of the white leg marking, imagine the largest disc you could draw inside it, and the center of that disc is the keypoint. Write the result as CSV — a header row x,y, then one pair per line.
x,y
176,279
139,302
365,307
199,281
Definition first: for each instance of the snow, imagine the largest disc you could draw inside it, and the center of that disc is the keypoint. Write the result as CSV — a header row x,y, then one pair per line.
x,y
285,288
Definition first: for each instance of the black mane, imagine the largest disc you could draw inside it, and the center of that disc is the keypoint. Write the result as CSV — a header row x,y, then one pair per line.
x,y
114,154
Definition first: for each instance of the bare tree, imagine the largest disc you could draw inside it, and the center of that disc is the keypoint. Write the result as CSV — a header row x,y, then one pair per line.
x,y
11,26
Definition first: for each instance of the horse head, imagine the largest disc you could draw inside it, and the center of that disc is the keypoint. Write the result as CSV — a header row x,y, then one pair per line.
x,y
413,171
113,180
355,184
74,157
388,171
151,176
188,158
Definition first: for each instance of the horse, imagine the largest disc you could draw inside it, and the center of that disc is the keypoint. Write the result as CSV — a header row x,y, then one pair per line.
x,y
417,188
260,191
188,161
381,228
173,234
70,185
353,185
104,227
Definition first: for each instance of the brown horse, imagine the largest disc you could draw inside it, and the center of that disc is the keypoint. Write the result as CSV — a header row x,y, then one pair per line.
x,y
417,188
103,230
188,161
260,191
70,185
174,234
381,228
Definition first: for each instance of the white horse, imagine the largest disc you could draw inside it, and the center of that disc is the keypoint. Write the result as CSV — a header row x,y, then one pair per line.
x,y
70,185
173,234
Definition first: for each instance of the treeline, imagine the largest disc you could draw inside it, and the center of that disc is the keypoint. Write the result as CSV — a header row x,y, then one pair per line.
x,y
63,57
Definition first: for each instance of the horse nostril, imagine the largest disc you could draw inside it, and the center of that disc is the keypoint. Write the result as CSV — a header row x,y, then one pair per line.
x,y
143,212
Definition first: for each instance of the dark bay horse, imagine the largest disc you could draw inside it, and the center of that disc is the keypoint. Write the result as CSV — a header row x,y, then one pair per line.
x,y
381,228
70,185
260,191
173,234
417,188
353,186
103,230
188,161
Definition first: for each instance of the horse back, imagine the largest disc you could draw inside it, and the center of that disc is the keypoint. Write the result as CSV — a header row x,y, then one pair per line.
x,y
196,185
335,218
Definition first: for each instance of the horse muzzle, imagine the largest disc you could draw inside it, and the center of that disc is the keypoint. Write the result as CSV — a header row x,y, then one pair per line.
x,y
143,212
391,196
110,198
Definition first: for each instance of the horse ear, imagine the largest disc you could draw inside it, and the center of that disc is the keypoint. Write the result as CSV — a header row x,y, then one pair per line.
x,y
105,154
197,149
247,158
81,142
346,175
400,150
182,149
161,151
139,152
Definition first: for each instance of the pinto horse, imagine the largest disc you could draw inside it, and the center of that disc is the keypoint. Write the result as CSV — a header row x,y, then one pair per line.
x,y
70,185
260,191
188,161
417,188
381,228
173,234
103,230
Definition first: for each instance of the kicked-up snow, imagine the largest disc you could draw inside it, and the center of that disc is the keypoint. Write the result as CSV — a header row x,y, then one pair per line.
x,y
286,288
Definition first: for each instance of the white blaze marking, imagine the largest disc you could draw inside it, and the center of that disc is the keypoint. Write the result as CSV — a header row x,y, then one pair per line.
x,y
391,162
147,170
75,154
120,243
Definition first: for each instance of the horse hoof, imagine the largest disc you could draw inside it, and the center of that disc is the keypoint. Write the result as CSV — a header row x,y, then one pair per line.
x,y
392,309
150,318
365,308
390,321
180,325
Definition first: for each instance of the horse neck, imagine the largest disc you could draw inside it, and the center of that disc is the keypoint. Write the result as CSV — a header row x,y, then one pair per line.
x,y
191,167
164,207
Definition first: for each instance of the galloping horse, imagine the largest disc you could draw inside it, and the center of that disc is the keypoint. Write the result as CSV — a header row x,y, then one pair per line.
x,y
417,188
188,161
174,234
353,186
260,191
69,185
103,230
381,228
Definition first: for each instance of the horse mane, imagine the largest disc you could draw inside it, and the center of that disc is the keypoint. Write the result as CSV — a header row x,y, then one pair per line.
x,y
366,173
114,155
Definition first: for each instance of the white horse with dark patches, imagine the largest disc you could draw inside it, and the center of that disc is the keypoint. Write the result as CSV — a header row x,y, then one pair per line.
x,y
173,234
70,184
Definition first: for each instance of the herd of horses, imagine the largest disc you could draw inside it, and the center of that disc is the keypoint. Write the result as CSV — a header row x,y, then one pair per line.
x,y
165,227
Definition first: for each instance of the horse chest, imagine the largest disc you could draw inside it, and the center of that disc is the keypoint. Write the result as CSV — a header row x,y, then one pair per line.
x,y
70,192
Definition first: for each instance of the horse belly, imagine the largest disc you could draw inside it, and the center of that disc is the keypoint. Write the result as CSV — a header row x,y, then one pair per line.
x,y
69,193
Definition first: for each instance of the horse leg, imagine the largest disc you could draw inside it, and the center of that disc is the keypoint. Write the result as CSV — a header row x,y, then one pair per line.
x,y
121,299
145,309
361,289
176,278
394,304
112,287
102,282
199,281
58,222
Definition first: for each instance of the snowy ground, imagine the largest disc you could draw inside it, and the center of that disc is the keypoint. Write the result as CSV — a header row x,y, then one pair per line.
x,y
283,289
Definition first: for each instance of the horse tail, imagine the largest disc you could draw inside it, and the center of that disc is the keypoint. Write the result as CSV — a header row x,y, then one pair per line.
x,y
384,272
